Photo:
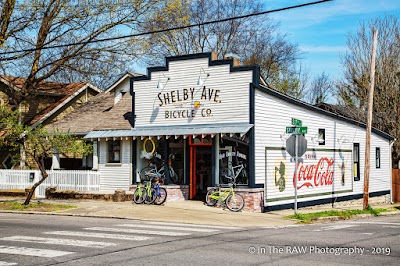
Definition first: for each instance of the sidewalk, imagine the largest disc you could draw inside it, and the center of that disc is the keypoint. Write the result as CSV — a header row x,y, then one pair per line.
x,y
193,212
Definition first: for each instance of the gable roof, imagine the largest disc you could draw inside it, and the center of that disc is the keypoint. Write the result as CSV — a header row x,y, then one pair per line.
x,y
65,93
99,113
122,78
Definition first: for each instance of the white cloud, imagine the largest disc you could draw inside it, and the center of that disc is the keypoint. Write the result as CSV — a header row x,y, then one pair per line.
x,y
323,49
311,15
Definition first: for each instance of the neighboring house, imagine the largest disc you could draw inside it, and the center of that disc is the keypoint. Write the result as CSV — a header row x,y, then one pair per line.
x,y
110,110
52,101
205,117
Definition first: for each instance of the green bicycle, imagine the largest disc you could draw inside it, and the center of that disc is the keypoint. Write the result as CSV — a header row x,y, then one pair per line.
x,y
233,201
144,194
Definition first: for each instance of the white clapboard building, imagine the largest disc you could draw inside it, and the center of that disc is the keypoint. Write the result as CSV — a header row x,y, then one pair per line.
x,y
203,120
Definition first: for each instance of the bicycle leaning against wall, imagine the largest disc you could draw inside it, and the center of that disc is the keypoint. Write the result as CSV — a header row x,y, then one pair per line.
x,y
232,200
149,189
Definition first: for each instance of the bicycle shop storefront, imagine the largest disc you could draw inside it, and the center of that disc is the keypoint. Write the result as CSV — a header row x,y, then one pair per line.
x,y
195,161
191,119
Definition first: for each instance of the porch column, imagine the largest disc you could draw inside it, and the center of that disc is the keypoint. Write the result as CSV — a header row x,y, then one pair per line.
x,y
95,156
55,163
215,156
22,163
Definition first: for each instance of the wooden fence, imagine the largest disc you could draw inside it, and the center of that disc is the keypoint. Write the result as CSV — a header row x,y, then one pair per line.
x,y
396,185
64,180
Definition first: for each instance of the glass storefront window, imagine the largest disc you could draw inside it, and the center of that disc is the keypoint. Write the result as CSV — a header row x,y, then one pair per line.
x,y
152,155
176,160
233,156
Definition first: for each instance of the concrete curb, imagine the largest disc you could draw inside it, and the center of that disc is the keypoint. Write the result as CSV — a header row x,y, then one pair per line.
x,y
357,216
73,215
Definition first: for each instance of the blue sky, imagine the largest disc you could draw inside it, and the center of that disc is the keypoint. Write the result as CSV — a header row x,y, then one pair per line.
x,y
321,30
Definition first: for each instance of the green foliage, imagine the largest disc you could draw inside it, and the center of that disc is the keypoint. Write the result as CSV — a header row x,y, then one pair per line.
x,y
346,214
38,142
39,206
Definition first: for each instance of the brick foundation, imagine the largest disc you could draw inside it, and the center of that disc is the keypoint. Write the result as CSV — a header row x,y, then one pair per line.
x,y
253,198
118,195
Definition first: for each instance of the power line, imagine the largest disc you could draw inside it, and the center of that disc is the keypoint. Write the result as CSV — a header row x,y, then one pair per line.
x,y
169,29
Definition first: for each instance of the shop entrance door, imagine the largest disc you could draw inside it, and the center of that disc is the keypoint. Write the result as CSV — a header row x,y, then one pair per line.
x,y
200,168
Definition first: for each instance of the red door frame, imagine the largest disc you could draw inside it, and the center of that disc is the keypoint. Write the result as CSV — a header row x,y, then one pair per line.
x,y
193,175
192,164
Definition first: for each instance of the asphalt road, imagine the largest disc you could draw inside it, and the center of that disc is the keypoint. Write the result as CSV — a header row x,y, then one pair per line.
x,y
58,240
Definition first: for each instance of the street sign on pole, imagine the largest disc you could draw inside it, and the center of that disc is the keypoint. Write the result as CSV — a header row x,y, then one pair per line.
x,y
296,130
296,122
296,146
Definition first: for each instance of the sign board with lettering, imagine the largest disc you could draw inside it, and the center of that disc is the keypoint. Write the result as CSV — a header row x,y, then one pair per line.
x,y
322,171
193,91
297,122
296,130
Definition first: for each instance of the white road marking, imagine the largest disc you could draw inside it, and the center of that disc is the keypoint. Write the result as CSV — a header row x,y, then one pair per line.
x,y
367,233
204,230
5,263
135,231
382,223
334,227
48,253
57,241
99,235
196,225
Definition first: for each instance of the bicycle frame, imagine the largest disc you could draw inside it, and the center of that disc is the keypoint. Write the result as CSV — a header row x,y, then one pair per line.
x,y
220,195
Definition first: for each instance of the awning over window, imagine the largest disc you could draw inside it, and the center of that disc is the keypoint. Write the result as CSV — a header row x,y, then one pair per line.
x,y
168,131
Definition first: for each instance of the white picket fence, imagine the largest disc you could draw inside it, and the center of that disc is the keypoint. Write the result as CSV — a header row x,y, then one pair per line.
x,y
61,179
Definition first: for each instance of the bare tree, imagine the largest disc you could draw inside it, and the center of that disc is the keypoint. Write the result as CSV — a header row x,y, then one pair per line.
x,y
353,90
40,24
6,12
321,89
255,39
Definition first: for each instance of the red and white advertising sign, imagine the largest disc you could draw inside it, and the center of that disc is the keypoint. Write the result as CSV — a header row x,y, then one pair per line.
x,y
320,172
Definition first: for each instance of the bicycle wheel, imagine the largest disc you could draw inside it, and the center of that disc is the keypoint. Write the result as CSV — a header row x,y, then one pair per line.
x,y
139,195
161,196
210,201
235,202
150,198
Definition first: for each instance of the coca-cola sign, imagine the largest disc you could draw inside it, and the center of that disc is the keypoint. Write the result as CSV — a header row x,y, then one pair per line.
x,y
314,175
320,172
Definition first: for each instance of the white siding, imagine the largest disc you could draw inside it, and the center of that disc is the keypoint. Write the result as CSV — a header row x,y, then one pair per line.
x,y
123,87
231,105
115,175
270,132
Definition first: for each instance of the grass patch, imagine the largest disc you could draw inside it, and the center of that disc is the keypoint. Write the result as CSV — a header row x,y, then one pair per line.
x,y
345,214
33,206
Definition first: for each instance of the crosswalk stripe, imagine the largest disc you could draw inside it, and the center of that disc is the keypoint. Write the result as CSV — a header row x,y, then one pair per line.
x,y
56,241
99,235
204,230
48,253
5,263
196,225
135,231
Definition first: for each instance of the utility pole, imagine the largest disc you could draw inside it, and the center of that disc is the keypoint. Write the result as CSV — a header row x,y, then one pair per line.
x,y
369,123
